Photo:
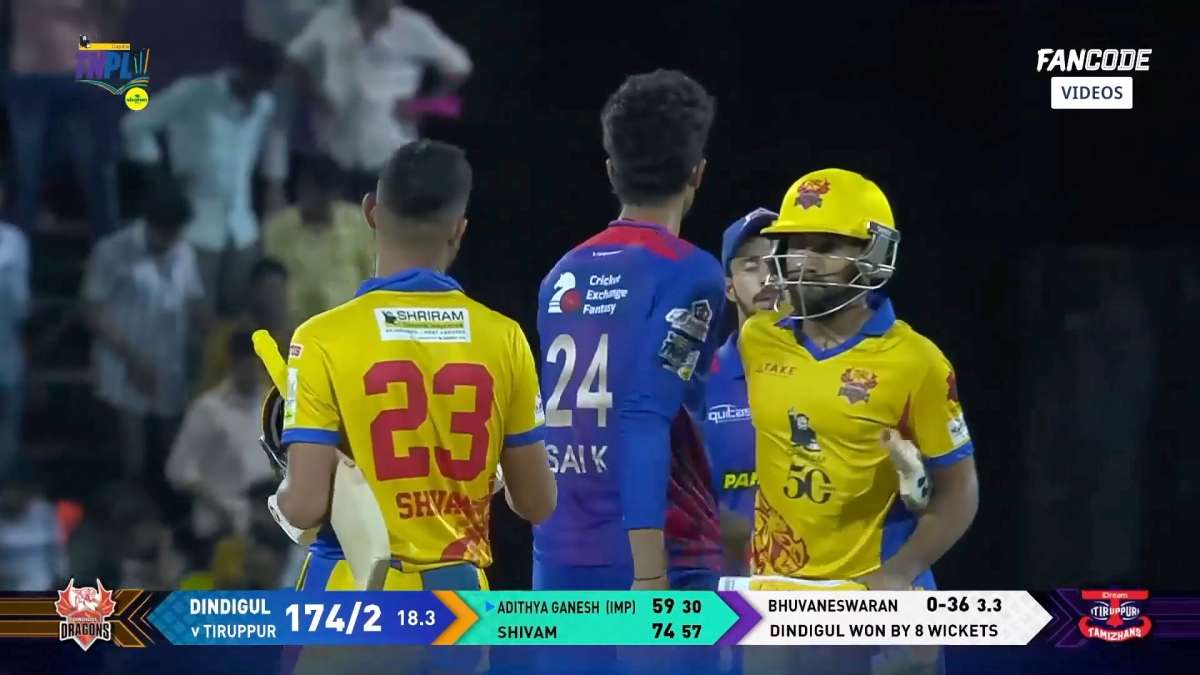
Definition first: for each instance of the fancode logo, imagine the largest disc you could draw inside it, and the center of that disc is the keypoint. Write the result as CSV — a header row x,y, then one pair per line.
x,y
1091,60
1083,79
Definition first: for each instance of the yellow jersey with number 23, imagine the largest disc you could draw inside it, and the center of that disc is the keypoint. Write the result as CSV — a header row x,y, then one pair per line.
x,y
423,387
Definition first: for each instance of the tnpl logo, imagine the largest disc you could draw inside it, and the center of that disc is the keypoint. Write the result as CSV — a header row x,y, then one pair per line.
x,y
1115,616
112,66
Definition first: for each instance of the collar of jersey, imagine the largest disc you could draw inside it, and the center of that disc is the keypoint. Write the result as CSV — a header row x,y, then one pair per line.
x,y
644,224
414,281
730,360
879,323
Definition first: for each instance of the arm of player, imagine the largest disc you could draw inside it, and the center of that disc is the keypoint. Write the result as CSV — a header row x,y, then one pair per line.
x,y
311,435
951,509
304,495
529,485
677,342
936,423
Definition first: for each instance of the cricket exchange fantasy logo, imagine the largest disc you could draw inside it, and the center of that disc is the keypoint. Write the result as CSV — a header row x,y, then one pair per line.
x,y
116,68
85,611
1115,616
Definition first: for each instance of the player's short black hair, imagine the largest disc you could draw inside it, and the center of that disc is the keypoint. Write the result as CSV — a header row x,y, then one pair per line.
x,y
321,171
165,207
655,128
426,180
266,267
240,345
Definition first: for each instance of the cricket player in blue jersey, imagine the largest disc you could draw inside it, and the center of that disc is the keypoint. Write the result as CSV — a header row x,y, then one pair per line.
x,y
626,321
724,412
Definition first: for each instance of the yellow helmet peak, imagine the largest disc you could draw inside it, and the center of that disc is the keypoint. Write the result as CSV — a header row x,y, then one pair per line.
x,y
832,201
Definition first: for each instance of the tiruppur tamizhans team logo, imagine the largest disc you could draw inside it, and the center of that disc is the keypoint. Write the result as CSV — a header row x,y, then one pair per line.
x,y
85,611
116,68
1115,616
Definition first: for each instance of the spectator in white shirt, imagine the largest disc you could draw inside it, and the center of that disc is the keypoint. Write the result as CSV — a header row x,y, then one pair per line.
x,y
361,62
218,127
142,296
216,458
14,305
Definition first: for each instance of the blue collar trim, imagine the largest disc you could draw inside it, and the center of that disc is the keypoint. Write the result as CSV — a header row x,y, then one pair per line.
x,y
881,322
416,280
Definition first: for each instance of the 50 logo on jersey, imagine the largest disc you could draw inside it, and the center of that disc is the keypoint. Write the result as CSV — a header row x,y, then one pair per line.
x,y
807,482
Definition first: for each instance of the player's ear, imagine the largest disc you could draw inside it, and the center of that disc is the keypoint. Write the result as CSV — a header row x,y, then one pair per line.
x,y
611,170
729,294
369,202
697,175
460,230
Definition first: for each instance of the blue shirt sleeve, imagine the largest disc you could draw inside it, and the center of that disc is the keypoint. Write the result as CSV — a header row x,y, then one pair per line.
x,y
674,346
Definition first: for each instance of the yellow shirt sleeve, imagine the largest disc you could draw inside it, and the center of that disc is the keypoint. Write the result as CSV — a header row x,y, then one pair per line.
x,y
525,418
310,414
935,417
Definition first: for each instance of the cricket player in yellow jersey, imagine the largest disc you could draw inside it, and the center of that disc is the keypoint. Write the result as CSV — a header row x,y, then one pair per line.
x,y
830,381
426,389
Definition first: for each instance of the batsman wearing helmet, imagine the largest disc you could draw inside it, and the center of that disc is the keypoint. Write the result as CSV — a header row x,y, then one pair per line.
x,y
829,380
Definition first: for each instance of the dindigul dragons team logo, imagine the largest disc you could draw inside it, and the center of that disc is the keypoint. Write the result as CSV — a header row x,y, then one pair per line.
x,y
857,384
85,611
810,191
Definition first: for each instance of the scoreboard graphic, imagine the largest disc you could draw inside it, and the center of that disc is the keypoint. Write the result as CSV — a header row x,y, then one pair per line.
x,y
133,618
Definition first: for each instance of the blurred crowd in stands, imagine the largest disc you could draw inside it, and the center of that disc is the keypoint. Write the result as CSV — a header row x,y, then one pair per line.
x,y
229,204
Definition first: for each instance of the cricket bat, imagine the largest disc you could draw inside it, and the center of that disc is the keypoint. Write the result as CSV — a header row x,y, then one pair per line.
x,y
359,525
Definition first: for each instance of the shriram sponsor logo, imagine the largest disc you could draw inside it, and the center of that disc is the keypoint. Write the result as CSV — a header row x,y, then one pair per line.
x,y
424,324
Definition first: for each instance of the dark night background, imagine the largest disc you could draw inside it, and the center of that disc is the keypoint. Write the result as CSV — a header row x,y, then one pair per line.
x,y
1051,254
